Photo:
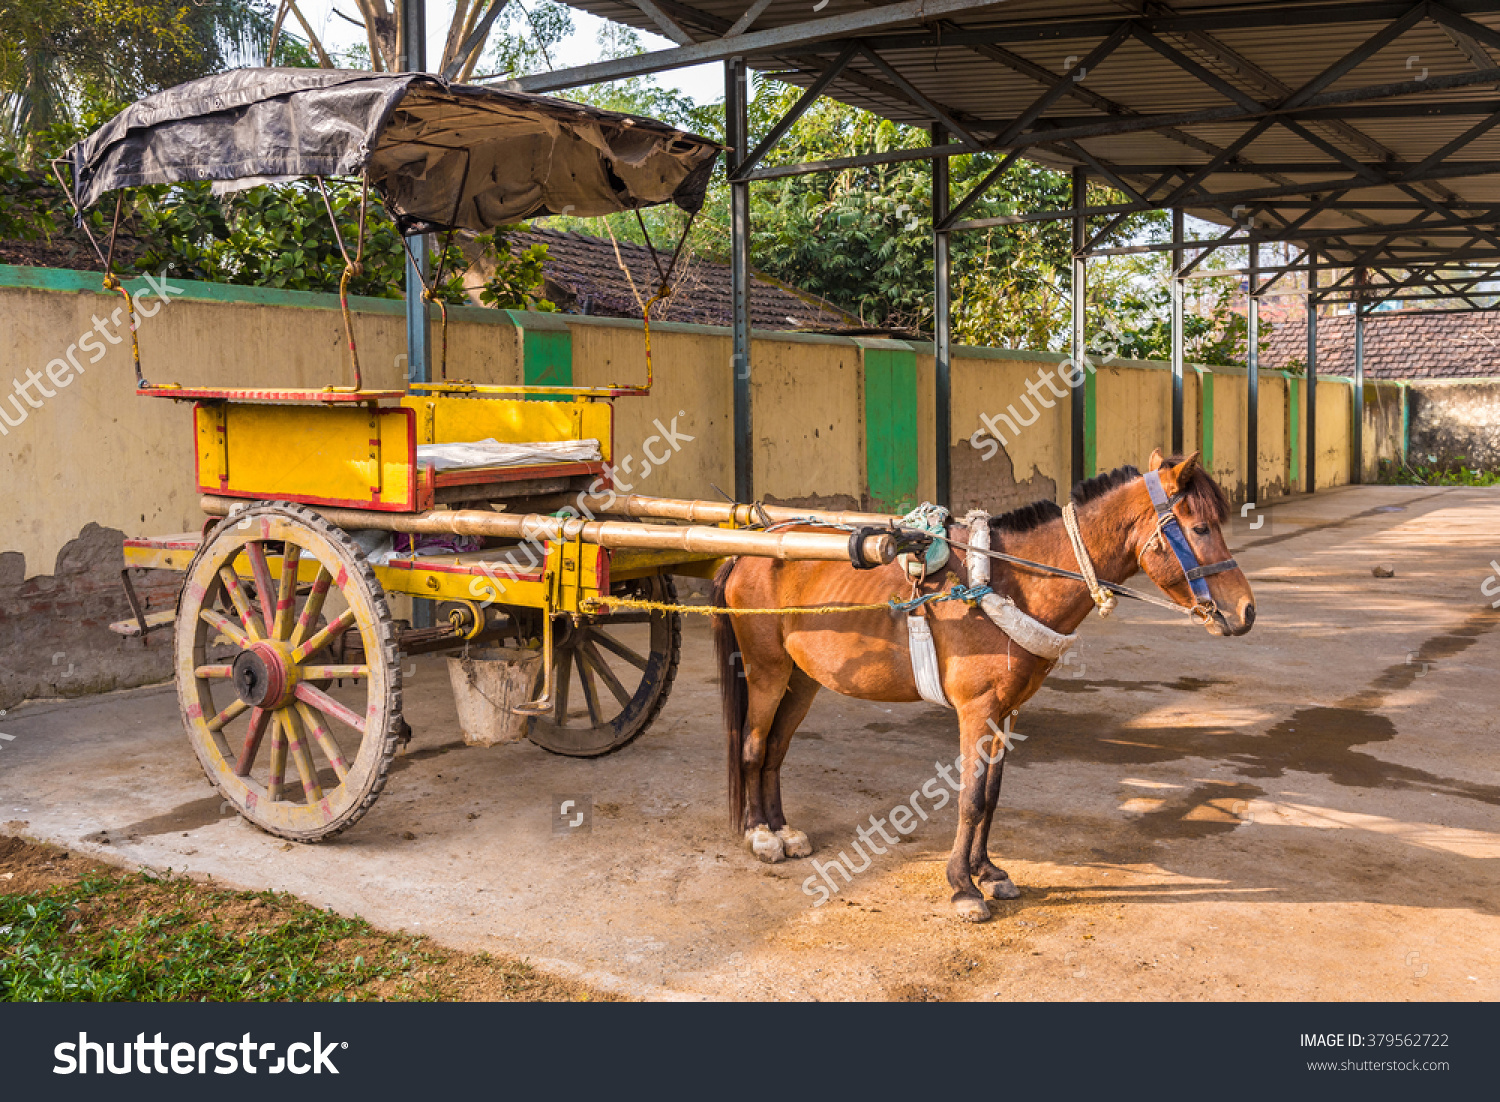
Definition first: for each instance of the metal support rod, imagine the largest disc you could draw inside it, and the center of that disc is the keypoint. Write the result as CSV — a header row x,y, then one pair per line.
x,y
1252,379
737,130
1312,383
1177,333
418,323
942,324
1078,425
1357,452
413,59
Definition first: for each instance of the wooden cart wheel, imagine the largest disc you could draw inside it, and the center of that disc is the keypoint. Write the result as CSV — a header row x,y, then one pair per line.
x,y
298,759
612,674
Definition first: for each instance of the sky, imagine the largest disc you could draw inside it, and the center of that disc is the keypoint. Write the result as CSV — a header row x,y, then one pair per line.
x,y
704,83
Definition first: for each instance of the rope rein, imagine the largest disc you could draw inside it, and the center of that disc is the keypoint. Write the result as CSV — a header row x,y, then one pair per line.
x,y
968,594
1104,600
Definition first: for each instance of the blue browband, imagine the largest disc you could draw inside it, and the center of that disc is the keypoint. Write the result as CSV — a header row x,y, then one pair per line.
x,y
1171,530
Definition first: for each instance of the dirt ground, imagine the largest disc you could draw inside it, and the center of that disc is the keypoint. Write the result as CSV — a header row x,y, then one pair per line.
x,y
1308,812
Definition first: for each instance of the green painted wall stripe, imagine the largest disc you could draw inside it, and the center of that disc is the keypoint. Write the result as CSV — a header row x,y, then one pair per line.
x,y
890,429
1206,416
546,350
1294,430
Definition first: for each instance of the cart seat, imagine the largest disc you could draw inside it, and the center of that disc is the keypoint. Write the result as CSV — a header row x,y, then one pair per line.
x,y
465,471
476,454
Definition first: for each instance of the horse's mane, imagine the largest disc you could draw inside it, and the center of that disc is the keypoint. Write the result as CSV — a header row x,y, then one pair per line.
x,y
1203,497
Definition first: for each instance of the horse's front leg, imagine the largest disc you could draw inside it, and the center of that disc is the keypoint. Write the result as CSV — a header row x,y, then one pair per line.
x,y
974,748
994,881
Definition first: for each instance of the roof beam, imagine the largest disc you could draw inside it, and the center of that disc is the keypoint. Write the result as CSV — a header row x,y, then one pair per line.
x,y
664,22
813,30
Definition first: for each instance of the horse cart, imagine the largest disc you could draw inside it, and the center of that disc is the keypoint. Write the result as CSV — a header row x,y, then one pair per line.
x,y
492,504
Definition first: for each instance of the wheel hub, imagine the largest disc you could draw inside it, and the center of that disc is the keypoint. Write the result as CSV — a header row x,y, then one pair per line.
x,y
263,676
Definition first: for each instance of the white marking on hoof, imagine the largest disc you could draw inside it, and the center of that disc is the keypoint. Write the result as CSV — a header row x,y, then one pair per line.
x,y
795,842
1001,889
765,845
971,910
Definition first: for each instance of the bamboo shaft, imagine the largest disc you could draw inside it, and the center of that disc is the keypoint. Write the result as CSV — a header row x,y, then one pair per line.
x,y
715,512
820,546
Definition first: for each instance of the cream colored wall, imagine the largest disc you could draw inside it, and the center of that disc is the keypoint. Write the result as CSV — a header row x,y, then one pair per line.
x,y
97,452
809,418
1333,433
991,384
692,386
1134,404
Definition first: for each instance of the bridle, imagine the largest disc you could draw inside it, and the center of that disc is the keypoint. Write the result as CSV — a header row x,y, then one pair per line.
x,y
1169,530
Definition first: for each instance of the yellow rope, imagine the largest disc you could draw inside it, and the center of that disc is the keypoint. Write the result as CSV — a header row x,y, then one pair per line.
x,y
662,606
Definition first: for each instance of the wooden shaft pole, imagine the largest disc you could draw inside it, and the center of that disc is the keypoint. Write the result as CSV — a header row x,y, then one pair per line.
x,y
715,512
820,546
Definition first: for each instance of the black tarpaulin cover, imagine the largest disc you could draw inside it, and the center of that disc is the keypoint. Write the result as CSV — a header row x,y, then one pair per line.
x,y
442,155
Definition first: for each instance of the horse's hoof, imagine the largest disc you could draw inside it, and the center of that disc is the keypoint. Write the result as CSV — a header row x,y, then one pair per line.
x,y
1004,888
970,909
794,842
765,845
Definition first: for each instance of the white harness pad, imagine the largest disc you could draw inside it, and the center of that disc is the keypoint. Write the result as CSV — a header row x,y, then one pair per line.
x,y
924,663
1027,632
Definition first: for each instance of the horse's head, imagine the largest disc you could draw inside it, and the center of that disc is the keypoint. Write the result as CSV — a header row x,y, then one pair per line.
x,y
1189,560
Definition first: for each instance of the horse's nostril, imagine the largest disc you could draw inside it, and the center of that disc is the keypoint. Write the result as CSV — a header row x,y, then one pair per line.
x,y
1248,616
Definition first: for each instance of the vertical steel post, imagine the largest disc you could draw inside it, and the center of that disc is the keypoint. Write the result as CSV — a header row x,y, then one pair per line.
x,y
418,324
1177,333
418,319
942,324
1252,379
1078,423
1312,375
1357,433
737,134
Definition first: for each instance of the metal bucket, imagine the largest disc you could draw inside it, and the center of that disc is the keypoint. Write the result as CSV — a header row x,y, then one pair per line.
x,y
488,683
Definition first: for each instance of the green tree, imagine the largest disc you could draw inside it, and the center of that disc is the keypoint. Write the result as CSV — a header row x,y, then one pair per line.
x,y
57,57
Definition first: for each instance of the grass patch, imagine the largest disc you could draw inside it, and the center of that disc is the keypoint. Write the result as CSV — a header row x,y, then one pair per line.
x,y
99,934
1448,473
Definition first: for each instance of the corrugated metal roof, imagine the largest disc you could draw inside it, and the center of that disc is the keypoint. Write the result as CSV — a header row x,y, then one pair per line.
x,y
1264,51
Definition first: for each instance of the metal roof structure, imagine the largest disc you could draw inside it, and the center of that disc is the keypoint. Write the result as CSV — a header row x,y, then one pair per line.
x,y
1364,133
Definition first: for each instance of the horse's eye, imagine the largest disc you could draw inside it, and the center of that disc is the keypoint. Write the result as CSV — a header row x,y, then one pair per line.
x,y
1201,529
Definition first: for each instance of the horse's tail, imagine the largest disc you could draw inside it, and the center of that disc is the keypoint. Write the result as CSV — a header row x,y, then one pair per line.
x,y
733,691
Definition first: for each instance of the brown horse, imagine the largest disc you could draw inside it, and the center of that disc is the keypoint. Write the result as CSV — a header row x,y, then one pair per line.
x,y
865,654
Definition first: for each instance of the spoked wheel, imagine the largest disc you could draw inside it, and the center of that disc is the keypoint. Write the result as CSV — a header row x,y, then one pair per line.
x,y
611,675
299,757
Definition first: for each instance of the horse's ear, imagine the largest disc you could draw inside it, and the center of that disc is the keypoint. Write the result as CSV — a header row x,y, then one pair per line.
x,y
1154,463
1184,470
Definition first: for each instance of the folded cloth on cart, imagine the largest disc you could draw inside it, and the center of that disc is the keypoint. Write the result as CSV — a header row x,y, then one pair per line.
x,y
492,453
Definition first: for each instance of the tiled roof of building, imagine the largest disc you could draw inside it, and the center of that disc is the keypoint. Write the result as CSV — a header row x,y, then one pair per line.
x,y
1398,345
584,277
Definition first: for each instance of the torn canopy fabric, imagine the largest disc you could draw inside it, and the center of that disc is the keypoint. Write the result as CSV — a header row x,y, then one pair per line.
x,y
441,155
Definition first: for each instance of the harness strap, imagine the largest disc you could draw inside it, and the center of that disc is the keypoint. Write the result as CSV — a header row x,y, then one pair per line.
x,y
1171,531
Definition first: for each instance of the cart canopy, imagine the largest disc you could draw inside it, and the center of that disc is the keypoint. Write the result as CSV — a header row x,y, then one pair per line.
x,y
442,155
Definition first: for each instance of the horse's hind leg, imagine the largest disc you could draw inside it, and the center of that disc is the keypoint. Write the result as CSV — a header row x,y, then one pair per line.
x,y
767,685
993,880
789,716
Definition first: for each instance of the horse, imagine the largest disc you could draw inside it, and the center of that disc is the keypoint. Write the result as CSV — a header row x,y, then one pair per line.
x,y
783,660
